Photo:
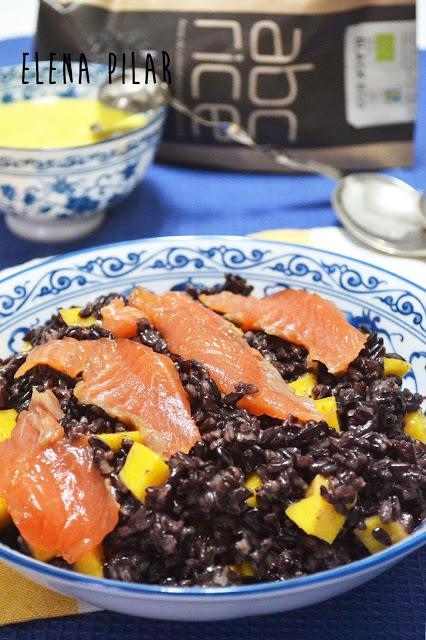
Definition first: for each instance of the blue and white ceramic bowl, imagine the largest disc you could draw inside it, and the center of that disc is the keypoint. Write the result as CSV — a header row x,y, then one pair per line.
x,y
62,194
389,304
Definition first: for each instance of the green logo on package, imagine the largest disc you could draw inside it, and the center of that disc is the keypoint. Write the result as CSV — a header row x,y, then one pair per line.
x,y
392,95
385,47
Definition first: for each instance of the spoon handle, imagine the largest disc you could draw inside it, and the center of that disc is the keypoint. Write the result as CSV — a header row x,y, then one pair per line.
x,y
310,166
237,134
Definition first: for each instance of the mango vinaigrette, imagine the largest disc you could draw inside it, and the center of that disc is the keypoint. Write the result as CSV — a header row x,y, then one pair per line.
x,y
59,122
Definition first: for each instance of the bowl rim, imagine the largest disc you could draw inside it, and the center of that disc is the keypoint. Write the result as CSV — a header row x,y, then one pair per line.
x,y
38,262
413,541
159,112
383,558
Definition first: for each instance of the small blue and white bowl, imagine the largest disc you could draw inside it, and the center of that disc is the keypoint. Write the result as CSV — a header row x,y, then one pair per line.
x,y
62,194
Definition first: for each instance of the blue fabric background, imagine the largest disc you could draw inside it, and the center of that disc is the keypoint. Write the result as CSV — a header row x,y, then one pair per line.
x,y
189,201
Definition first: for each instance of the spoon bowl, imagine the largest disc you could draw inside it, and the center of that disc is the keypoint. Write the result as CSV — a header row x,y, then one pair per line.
x,y
383,212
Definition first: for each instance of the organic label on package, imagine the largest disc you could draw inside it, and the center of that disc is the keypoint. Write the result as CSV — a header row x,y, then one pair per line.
x,y
380,73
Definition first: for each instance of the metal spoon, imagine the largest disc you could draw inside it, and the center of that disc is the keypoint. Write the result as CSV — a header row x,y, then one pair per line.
x,y
383,212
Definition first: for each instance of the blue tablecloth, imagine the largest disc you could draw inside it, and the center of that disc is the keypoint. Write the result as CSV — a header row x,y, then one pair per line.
x,y
185,201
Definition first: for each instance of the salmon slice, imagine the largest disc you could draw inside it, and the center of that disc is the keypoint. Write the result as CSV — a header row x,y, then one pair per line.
x,y
298,316
61,502
35,429
195,332
54,493
141,388
130,382
70,358
120,319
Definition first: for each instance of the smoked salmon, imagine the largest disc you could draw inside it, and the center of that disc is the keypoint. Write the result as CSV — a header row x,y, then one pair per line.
x,y
120,319
61,502
35,429
194,332
298,316
55,494
129,381
69,358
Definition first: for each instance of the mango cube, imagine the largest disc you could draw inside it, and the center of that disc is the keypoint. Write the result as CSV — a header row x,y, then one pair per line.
x,y
92,563
7,423
316,484
244,569
253,482
304,385
44,555
316,517
395,530
315,488
143,468
114,440
396,367
328,407
4,514
415,425
72,318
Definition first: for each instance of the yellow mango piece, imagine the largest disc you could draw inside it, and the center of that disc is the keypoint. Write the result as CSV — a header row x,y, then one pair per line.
x,y
244,569
114,440
143,468
316,517
328,408
92,563
395,530
315,486
44,555
72,318
396,367
4,514
7,423
26,346
253,482
304,385
415,425
315,489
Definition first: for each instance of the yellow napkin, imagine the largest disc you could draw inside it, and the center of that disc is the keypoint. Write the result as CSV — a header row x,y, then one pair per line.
x,y
23,600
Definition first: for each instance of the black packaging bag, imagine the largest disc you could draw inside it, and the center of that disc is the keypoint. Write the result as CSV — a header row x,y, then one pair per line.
x,y
333,80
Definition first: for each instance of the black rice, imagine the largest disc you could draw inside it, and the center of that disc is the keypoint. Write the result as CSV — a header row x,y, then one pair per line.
x,y
56,329
290,359
233,283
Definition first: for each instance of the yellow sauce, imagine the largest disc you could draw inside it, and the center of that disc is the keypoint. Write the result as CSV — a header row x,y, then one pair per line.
x,y
58,122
